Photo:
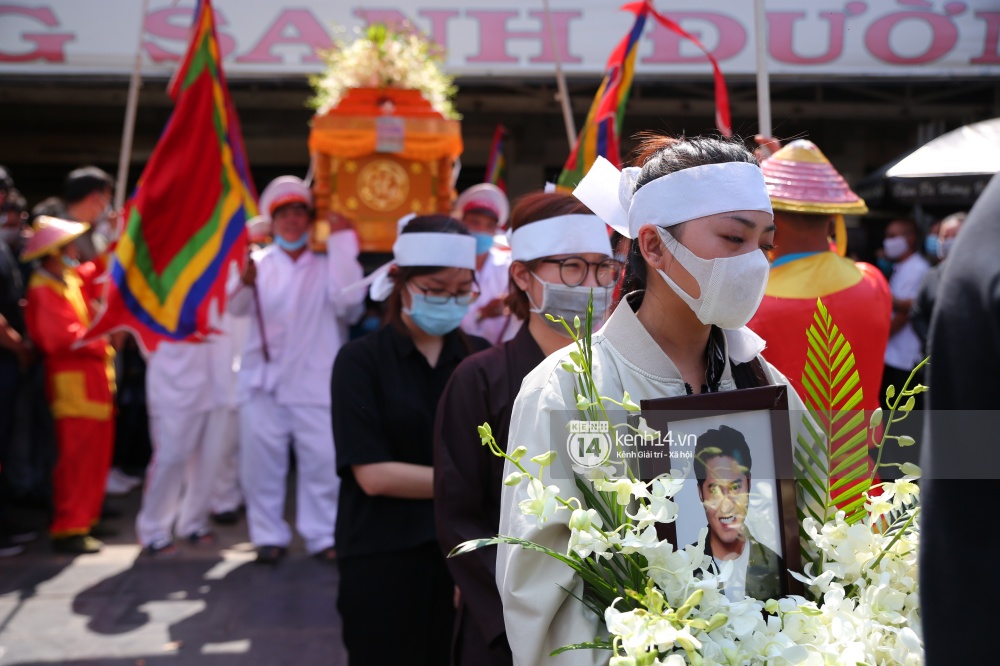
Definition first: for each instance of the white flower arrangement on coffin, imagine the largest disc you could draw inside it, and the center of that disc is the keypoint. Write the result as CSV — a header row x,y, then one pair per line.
x,y
384,57
661,606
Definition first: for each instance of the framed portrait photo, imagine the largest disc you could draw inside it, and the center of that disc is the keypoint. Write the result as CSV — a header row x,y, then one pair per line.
x,y
735,450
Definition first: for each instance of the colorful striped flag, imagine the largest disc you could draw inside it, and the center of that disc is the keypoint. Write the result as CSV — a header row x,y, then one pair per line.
x,y
496,166
186,222
602,130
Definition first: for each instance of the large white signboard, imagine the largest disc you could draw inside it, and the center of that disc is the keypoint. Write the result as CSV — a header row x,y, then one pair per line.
x,y
268,38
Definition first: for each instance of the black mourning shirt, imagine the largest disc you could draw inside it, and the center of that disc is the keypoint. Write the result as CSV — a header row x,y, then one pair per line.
x,y
11,292
468,478
384,397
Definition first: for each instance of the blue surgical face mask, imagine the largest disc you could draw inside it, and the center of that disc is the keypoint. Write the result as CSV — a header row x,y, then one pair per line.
x,y
69,262
884,265
483,243
931,246
435,318
294,245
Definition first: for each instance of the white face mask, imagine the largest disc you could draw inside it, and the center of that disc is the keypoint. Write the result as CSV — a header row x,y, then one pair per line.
x,y
944,247
731,287
894,247
559,300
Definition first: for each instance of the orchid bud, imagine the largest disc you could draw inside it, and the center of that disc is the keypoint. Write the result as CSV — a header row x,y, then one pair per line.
x,y
513,479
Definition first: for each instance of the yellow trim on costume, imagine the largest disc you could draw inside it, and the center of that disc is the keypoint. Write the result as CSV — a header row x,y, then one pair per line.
x,y
70,288
840,235
69,398
793,206
813,277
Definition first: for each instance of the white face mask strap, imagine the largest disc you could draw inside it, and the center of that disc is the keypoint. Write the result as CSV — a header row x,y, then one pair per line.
x,y
531,302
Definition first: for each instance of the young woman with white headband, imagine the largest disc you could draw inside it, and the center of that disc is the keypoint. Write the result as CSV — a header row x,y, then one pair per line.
x,y
699,217
387,385
561,253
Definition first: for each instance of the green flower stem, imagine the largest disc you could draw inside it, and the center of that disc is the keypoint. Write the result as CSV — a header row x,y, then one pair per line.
x,y
895,538
890,420
497,451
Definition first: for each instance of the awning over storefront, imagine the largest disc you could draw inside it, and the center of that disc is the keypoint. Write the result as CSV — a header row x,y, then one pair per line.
x,y
951,170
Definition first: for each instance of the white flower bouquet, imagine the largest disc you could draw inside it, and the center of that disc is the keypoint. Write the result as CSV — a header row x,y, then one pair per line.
x,y
663,605
383,57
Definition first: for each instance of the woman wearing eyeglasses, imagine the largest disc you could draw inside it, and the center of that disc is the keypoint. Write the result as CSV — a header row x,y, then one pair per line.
x,y
561,254
393,578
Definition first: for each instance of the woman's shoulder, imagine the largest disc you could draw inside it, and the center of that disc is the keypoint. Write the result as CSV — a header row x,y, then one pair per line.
x,y
360,351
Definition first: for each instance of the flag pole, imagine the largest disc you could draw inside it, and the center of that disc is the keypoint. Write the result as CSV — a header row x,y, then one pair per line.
x,y
560,79
763,79
128,131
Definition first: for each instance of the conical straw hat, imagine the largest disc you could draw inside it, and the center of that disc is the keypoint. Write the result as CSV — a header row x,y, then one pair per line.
x,y
51,233
801,180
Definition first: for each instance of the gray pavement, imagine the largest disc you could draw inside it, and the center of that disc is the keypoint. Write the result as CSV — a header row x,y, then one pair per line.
x,y
210,605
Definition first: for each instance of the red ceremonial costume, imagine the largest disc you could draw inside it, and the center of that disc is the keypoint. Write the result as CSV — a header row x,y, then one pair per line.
x,y
800,180
80,385
857,296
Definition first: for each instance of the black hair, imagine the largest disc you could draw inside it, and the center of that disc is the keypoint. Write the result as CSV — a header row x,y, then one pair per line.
x,y
659,156
53,207
15,202
83,181
725,441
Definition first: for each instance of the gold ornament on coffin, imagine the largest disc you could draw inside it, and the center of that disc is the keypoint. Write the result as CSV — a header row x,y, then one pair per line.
x,y
383,185
354,178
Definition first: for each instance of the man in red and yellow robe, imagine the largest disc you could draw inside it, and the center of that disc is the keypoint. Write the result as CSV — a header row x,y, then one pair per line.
x,y
79,381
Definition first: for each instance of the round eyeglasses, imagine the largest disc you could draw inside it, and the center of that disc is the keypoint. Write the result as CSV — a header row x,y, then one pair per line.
x,y
573,271
442,296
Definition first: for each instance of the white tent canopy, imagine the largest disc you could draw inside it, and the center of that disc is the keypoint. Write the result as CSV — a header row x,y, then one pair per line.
x,y
970,150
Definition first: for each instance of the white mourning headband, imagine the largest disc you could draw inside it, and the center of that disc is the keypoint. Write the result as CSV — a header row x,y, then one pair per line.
x,y
684,195
563,234
421,249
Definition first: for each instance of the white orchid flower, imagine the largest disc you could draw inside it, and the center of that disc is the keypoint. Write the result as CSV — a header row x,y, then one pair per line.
x,y
541,501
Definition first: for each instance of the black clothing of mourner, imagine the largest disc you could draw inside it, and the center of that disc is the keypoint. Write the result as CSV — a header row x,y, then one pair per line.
x,y
11,291
467,483
961,461
923,305
385,395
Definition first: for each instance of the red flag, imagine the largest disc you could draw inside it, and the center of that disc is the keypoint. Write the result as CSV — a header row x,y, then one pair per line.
x,y
187,221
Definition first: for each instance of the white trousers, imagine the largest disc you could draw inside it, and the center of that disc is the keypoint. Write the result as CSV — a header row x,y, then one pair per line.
x,y
226,493
187,452
266,430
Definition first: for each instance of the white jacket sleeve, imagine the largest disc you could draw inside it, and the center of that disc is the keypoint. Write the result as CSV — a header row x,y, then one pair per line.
x,y
342,262
539,614
240,301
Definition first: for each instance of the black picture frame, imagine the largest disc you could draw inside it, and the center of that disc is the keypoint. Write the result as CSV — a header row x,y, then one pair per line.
x,y
662,413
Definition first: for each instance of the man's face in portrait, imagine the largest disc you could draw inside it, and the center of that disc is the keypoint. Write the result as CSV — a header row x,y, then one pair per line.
x,y
725,493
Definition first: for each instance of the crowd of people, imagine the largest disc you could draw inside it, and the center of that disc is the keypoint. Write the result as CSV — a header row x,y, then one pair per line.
x,y
710,293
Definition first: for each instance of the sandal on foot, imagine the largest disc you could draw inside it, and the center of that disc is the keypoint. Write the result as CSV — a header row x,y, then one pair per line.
x,y
270,554
326,555
205,537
